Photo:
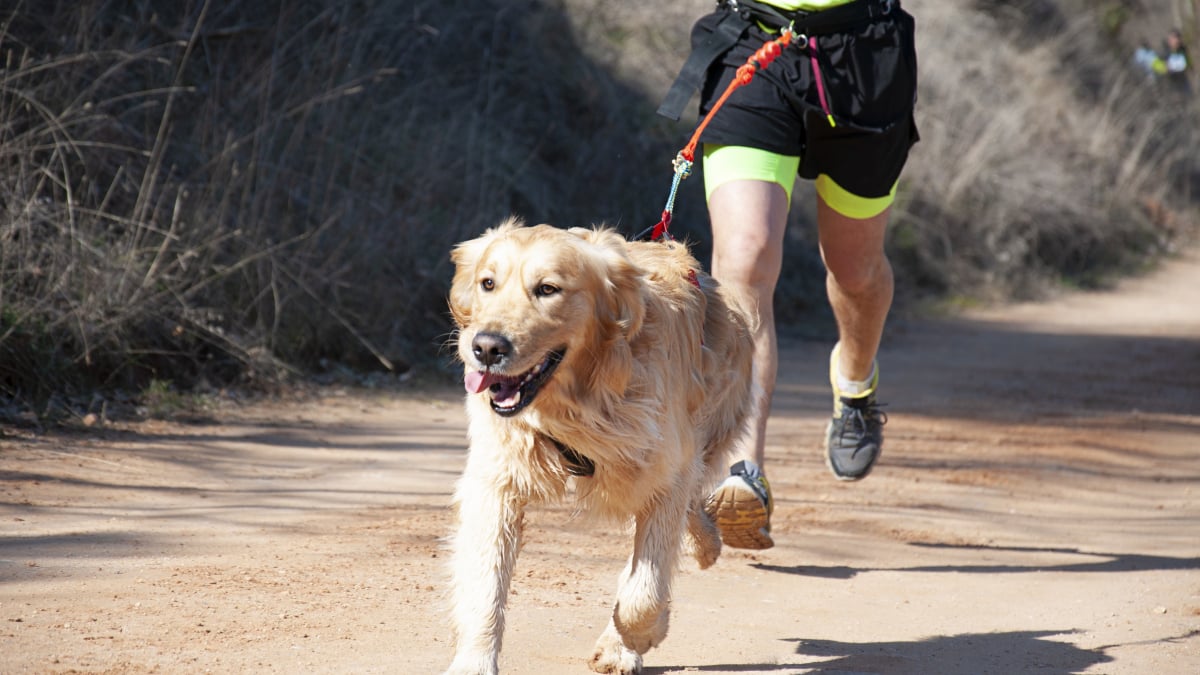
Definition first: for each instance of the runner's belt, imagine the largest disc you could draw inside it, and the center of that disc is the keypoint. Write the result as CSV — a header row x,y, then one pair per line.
x,y
740,15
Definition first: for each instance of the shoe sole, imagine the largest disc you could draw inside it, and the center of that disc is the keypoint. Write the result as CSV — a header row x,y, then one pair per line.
x,y
740,516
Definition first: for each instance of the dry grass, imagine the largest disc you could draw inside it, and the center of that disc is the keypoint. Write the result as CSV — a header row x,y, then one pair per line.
x,y
224,191
210,192
1041,152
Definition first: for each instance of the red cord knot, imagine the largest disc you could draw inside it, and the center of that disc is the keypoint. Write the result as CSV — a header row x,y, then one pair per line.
x,y
761,59
767,53
745,74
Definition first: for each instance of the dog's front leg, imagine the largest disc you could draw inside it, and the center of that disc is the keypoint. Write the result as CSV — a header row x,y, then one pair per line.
x,y
484,552
641,613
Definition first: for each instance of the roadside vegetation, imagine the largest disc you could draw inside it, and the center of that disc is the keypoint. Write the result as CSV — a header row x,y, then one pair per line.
x,y
197,195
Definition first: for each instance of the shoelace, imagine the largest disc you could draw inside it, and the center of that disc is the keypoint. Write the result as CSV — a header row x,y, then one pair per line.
x,y
861,414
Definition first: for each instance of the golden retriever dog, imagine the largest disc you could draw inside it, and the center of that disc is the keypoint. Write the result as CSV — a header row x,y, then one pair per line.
x,y
610,372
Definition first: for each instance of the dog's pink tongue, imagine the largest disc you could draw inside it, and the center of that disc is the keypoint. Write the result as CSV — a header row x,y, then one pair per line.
x,y
476,381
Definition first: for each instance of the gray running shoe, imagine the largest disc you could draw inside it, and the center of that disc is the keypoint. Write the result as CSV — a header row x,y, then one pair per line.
x,y
854,437
741,507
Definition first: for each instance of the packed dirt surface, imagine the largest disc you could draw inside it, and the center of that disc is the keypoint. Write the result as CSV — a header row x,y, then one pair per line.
x,y
1036,510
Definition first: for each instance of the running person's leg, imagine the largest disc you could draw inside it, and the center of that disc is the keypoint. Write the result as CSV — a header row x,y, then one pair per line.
x,y
749,218
748,207
856,160
860,284
749,195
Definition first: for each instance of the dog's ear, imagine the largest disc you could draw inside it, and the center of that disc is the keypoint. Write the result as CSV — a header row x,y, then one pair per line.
x,y
465,257
624,281
627,284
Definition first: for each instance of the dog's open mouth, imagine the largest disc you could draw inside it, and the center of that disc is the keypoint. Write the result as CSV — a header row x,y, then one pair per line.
x,y
511,393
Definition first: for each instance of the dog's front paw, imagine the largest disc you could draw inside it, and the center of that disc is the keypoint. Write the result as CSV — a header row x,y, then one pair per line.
x,y
619,661
465,664
612,656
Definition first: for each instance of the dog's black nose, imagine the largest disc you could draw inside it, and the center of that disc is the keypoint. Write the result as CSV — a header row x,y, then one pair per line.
x,y
490,349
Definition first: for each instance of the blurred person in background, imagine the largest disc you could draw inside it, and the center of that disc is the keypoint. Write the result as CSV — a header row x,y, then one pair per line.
x,y
1175,63
1145,57
1170,65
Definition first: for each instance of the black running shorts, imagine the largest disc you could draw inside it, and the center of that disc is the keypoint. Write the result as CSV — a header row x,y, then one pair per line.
x,y
859,135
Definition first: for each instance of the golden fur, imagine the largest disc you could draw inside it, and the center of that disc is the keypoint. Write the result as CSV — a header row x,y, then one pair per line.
x,y
648,364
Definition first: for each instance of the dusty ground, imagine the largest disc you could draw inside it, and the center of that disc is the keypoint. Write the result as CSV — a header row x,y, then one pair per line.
x,y
1037,510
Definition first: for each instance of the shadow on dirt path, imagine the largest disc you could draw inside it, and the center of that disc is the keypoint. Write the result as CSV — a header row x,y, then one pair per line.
x,y
1097,562
1013,652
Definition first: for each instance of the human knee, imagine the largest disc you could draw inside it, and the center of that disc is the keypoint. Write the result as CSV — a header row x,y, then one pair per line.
x,y
751,279
751,263
858,274
852,233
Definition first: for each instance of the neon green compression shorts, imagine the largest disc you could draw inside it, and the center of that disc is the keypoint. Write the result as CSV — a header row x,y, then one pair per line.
x,y
724,163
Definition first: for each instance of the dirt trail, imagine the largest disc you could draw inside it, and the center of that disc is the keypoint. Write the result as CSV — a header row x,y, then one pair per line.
x,y
1037,509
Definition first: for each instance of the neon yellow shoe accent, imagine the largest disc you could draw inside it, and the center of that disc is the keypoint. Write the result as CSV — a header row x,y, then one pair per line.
x,y
838,395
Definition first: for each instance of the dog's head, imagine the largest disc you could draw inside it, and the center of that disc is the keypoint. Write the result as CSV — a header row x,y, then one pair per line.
x,y
541,308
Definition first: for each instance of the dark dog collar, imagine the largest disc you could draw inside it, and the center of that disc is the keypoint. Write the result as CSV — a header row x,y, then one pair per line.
x,y
575,463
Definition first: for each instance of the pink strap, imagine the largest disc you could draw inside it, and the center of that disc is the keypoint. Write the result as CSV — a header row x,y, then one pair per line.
x,y
816,68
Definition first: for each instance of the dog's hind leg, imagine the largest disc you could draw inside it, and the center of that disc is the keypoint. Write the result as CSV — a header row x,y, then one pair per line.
x,y
702,539
642,611
485,549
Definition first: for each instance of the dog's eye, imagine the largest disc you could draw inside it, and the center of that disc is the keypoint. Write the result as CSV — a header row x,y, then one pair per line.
x,y
488,285
545,289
